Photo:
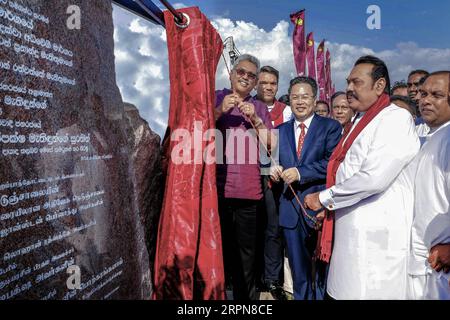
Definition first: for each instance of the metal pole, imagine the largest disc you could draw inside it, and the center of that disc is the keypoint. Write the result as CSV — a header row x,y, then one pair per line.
x,y
179,18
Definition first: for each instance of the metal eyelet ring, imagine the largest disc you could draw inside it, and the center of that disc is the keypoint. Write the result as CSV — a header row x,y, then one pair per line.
x,y
186,24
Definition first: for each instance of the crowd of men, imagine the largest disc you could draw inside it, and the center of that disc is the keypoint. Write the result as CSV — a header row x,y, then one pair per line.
x,y
358,197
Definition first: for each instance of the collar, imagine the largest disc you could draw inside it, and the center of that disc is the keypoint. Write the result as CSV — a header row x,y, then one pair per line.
x,y
307,122
434,130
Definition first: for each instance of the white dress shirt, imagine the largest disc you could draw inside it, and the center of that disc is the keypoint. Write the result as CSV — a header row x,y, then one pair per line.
x,y
298,131
373,203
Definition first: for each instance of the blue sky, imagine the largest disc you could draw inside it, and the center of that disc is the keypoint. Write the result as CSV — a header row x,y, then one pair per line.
x,y
414,35
344,21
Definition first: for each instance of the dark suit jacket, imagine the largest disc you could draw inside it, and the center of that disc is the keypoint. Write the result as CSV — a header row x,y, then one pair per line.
x,y
322,137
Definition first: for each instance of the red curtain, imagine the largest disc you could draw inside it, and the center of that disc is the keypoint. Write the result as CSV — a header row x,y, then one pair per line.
x,y
189,262
298,40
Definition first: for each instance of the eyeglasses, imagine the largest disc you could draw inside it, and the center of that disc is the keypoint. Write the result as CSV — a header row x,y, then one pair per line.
x,y
242,72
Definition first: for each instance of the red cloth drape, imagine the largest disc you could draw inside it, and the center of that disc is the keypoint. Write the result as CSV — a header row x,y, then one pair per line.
x,y
310,57
189,262
321,79
298,40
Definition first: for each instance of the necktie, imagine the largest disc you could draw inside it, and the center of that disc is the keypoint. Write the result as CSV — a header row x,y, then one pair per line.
x,y
301,139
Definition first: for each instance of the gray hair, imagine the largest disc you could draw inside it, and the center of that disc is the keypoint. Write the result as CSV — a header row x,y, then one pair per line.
x,y
247,57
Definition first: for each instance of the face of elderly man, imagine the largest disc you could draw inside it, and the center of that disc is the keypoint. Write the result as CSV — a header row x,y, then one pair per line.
x,y
362,91
341,110
243,78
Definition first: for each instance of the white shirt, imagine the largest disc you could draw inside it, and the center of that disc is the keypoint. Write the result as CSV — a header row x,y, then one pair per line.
x,y
356,118
373,203
298,131
431,223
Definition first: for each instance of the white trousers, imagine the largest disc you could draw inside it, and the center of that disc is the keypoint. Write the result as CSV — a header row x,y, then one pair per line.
x,y
288,285
432,286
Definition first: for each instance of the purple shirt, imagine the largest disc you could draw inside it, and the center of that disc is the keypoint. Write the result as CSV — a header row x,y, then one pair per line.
x,y
240,175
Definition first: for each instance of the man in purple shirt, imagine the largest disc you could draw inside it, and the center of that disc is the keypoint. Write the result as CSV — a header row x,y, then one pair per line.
x,y
239,174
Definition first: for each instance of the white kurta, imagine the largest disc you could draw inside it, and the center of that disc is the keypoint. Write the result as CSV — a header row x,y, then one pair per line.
x,y
431,223
373,203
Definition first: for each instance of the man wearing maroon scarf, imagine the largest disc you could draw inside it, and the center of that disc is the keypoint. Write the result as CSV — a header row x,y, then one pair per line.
x,y
368,195
267,89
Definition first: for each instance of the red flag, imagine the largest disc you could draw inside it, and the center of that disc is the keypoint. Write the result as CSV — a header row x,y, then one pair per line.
x,y
321,69
328,76
310,57
298,40
189,246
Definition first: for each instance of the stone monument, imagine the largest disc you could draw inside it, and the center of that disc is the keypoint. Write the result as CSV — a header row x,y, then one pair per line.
x,y
75,210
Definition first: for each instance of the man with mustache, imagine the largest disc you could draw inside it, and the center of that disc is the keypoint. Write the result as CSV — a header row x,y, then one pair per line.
x,y
413,82
267,89
429,263
413,89
341,110
368,193
239,182
421,127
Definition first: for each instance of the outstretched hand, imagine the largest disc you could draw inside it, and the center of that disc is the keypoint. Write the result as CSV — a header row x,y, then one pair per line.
x,y
312,201
439,257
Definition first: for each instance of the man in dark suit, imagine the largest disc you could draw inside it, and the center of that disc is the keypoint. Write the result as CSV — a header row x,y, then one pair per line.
x,y
306,143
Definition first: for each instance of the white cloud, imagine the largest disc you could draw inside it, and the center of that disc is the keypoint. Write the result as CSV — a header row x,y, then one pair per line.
x,y
142,62
272,48
406,57
142,67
